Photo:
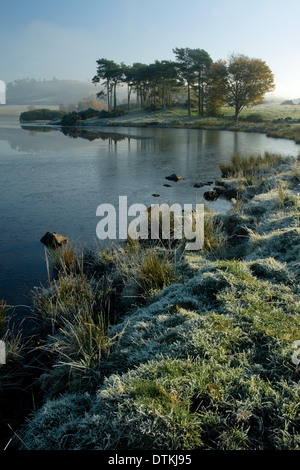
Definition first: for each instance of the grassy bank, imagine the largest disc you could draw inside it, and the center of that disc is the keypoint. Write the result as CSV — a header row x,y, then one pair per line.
x,y
151,347
281,121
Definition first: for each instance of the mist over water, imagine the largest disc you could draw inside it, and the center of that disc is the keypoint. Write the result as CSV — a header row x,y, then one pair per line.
x,y
55,182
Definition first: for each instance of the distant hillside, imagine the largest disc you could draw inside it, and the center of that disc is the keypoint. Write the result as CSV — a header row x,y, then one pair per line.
x,y
47,92
297,101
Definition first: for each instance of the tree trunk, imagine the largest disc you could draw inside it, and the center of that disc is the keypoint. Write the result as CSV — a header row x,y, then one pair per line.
x,y
169,95
115,96
128,97
141,99
189,100
163,96
108,100
236,114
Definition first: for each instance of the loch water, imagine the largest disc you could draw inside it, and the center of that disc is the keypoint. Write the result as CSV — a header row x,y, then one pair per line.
x,y
54,181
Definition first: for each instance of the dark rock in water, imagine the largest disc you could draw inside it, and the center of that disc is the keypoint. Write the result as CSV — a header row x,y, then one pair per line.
x,y
155,195
210,195
220,190
230,193
227,192
167,185
53,240
200,185
173,177
222,183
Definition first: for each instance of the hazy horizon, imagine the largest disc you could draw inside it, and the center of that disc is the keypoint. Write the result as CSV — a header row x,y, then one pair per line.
x,y
64,39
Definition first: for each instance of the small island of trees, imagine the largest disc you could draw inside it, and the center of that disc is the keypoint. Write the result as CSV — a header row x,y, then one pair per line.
x,y
239,82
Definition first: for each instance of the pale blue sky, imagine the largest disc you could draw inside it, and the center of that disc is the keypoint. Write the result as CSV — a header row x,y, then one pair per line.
x,y
64,38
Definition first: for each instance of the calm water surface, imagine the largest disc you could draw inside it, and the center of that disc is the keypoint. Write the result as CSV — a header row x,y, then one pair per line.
x,y
54,182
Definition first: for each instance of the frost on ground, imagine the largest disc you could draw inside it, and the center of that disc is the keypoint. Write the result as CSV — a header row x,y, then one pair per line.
x,y
204,363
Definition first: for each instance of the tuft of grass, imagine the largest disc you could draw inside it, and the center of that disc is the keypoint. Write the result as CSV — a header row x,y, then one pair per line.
x,y
214,234
79,348
296,173
285,199
65,259
155,272
242,167
14,345
148,270
66,295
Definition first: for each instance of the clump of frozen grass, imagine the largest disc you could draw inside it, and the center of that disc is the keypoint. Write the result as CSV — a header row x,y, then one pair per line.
x,y
282,245
74,316
262,203
65,259
214,234
285,198
155,272
252,167
14,344
271,269
296,173
65,297
101,260
147,269
78,350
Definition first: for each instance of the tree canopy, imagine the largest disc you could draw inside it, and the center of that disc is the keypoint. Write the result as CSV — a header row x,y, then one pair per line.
x,y
240,82
247,82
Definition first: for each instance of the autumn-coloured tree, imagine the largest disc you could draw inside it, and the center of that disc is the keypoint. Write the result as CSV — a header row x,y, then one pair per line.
x,y
248,81
92,103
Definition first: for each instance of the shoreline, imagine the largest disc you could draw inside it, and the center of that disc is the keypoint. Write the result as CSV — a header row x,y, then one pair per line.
x,y
210,337
270,129
273,126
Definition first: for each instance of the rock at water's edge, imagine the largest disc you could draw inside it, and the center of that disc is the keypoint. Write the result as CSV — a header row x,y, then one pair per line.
x,y
53,240
173,177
